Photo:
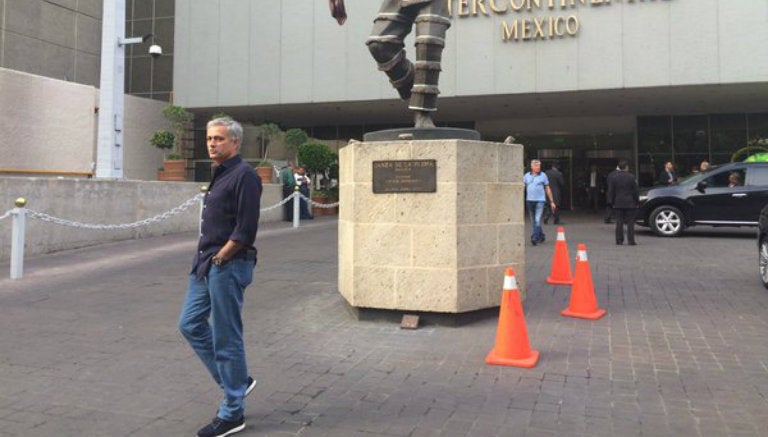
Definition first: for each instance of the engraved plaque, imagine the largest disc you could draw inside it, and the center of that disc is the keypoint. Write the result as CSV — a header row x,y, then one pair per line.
x,y
411,176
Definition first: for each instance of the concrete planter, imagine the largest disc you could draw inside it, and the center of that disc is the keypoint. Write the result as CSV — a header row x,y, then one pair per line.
x,y
324,200
175,170
267,174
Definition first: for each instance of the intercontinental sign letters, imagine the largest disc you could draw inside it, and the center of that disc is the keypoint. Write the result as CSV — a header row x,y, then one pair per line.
x,y
558,24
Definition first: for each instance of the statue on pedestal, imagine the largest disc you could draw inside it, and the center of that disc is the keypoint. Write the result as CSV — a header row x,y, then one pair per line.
x,y
415,82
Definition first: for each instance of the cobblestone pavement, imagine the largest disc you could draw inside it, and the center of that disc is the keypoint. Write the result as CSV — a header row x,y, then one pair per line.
x,y
89,346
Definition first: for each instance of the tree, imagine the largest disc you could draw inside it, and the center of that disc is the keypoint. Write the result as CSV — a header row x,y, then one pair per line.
x,y
318,158
266,132
179,118
294,138
163,140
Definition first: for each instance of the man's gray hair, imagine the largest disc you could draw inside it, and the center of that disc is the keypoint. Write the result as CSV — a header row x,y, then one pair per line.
x,y
535,161
234,129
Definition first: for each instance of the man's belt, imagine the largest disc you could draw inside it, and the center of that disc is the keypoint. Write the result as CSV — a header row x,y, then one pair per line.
x,y
248,255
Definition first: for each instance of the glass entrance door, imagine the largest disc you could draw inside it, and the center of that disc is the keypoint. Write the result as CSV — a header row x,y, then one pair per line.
x,y
576,155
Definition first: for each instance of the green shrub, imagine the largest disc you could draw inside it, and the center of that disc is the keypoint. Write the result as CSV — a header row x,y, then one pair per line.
x,y
162,139
318,159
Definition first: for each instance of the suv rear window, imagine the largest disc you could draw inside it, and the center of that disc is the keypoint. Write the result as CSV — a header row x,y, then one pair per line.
x,y
758,176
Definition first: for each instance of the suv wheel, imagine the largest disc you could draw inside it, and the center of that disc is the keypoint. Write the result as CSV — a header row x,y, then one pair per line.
x,y
667,221
763,261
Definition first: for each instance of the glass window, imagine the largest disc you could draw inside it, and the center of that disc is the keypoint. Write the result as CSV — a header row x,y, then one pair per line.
x,y
654,147
141,8
758,130
729,134
690,134
757,176
722,179
164,8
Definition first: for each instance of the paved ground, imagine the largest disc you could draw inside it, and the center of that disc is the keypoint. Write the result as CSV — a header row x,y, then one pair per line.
x,y
89,347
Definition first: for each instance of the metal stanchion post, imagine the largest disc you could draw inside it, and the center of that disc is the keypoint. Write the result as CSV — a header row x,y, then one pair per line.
x,y
203,189
296,200
17,238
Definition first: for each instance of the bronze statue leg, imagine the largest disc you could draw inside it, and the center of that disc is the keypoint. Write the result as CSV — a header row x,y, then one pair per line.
x,y
386,44
431,25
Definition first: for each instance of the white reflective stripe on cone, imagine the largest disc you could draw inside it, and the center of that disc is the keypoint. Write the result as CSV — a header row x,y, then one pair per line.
x,y
582,255
510,283
561,236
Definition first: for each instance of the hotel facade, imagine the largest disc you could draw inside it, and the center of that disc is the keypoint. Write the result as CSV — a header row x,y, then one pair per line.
x,y
580,82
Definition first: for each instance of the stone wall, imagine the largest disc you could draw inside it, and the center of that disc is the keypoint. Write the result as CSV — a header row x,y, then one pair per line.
x,y
103,202
51,124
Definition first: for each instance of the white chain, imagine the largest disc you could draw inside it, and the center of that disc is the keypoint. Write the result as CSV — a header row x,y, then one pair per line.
x,y
279,204
59,221
155,219
318,204
148,221
6,215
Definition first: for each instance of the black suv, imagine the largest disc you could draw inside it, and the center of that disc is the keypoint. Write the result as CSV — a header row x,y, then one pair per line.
x,y
762,246
727,195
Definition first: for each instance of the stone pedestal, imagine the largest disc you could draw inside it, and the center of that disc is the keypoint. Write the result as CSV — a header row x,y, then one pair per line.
x,y
435,252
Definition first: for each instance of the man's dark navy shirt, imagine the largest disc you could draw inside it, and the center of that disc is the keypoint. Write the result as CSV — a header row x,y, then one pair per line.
x,y
230,212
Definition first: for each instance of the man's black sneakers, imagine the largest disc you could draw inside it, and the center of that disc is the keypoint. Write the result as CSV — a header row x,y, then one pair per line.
x,y
251,386
220,428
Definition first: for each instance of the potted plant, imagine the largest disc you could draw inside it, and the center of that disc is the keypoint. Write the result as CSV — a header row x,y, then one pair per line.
x,y
319,161
174,165
162,139
326,196
266,170
266,132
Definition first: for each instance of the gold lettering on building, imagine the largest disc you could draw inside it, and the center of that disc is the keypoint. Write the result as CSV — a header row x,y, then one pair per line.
x,y
532,28
539,28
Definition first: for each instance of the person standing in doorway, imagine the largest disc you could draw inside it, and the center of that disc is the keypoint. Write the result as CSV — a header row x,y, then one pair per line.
x,y
537,192
593,188
668,175
624,196
609,216
557,185
211,319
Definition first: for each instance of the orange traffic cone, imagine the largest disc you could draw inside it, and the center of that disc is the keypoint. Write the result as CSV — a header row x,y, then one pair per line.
x,y
512,348
561,266
583,300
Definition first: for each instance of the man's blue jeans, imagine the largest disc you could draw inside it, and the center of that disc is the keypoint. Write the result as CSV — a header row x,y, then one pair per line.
x,y
535,209
219,343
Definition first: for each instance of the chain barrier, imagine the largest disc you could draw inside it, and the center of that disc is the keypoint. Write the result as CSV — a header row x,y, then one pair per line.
x,y
279,204
155,219
17,246
318,204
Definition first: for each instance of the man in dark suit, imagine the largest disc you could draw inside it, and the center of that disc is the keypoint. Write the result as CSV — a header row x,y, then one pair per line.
x,y
624,196
608,206
557,185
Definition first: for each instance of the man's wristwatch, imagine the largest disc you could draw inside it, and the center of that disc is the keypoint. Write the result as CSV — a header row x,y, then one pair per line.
x,y
217,260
